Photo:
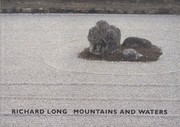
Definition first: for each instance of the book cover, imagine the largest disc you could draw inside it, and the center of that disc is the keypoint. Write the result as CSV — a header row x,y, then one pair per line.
x,y
44,82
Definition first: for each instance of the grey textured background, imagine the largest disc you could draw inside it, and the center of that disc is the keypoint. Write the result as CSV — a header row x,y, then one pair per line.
x,y
39,69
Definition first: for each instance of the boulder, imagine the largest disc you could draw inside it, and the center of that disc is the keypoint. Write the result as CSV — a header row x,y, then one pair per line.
x,y
135,42
104,38
131,54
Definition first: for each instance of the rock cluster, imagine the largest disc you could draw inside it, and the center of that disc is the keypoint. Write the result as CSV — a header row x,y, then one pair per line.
x,y
132,43
105,44
104,38
135,42
131,54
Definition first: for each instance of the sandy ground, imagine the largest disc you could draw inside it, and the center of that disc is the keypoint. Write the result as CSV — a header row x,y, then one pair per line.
x,y
40,69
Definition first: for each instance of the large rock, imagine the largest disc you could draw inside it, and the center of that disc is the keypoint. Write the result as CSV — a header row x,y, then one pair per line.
x,y
131,54
104,38
135,42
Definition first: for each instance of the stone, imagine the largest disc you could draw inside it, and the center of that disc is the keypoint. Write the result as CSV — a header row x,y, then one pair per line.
x,y
131,54
104,38
135,42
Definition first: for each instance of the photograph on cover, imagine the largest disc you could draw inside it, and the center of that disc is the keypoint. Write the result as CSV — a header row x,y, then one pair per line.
x,y
89,63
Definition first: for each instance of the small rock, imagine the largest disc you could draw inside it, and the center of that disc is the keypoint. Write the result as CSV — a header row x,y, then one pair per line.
x,y
131,54
104,38
135,42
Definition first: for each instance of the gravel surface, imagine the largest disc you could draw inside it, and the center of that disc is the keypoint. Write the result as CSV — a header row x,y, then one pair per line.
x,y
40,69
